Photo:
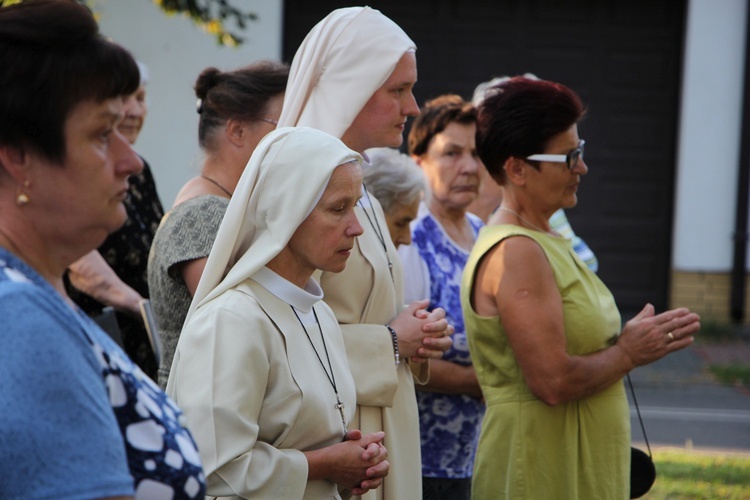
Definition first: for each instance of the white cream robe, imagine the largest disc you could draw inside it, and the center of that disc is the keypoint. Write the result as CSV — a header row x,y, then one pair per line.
x,y
341,63
255,395
364,299
252,392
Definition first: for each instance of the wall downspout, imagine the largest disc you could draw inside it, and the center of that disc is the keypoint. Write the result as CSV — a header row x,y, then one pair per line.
x,y
739,260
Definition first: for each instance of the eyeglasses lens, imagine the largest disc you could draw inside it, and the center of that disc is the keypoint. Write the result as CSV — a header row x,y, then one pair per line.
x,y
574,156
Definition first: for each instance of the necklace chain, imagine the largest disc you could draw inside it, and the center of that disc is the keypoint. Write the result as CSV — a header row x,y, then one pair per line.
x,y
533,226
331,378
378,231
217,185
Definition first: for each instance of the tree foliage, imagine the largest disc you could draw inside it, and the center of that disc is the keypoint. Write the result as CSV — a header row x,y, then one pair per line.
x,y
209,15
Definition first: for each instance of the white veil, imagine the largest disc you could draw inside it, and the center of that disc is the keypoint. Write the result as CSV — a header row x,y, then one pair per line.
x,y
281,184
344,59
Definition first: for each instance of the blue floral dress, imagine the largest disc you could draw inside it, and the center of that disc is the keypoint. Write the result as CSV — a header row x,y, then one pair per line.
x,y
449,424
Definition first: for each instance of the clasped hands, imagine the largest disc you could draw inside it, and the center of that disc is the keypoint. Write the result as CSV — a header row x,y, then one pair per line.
x,y
422,334
358,463
369,469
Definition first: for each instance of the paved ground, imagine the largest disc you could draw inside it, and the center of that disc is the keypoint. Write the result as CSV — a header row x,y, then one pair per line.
x,y
683,405
724,353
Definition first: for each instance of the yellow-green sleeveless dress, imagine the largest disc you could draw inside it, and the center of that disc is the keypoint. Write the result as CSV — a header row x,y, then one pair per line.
x,y
527,449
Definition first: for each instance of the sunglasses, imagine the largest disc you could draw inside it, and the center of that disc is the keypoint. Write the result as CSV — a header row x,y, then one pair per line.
x,y
570,159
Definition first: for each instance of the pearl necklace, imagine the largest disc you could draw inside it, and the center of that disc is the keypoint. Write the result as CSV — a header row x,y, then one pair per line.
x,y
533,226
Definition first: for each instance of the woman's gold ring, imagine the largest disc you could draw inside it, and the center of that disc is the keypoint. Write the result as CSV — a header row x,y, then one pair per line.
x,y
671,337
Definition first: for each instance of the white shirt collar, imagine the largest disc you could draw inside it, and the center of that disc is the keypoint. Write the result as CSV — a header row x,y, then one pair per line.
x,y
302,299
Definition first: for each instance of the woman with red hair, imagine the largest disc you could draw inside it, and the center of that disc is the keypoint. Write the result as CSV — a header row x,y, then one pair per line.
x,y
544,332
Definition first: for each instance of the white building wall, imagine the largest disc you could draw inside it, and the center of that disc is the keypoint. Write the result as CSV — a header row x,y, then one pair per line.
x,y
176,51
709,137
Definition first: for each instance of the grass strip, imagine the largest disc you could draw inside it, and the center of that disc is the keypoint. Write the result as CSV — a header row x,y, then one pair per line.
x,y
689,474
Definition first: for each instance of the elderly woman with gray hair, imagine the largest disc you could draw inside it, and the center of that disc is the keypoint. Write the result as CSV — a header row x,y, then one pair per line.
x,y
398,184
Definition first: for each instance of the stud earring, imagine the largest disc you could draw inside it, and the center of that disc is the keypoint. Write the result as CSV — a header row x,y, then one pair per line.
x,y
23,198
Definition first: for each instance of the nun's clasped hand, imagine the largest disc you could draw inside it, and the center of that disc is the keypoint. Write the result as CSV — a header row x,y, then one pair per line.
x,y
422,334
374,457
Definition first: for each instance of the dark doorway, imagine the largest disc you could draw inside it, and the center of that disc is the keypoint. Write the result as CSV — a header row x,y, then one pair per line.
x,y
623,58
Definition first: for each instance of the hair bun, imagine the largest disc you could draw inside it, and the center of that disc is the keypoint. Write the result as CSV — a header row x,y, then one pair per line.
x,y
207,80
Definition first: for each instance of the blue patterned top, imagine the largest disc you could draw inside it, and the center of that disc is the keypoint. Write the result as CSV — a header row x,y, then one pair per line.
x,y
80,419
559,222
449,424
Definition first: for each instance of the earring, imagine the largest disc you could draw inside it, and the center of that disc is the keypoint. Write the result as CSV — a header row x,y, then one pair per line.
x,y
23,198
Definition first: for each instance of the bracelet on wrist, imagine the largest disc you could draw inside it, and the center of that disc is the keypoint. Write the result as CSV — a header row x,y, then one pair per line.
x,y
394,337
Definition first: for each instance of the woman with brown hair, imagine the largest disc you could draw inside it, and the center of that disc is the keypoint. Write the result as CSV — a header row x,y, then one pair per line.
x,y
441,142
79,418
236,110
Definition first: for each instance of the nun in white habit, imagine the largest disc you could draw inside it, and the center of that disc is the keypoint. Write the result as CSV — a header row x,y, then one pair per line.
x,y
352,77
260,369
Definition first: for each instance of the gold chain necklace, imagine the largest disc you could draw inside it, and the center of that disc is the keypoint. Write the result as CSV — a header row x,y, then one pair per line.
x,y
533,226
